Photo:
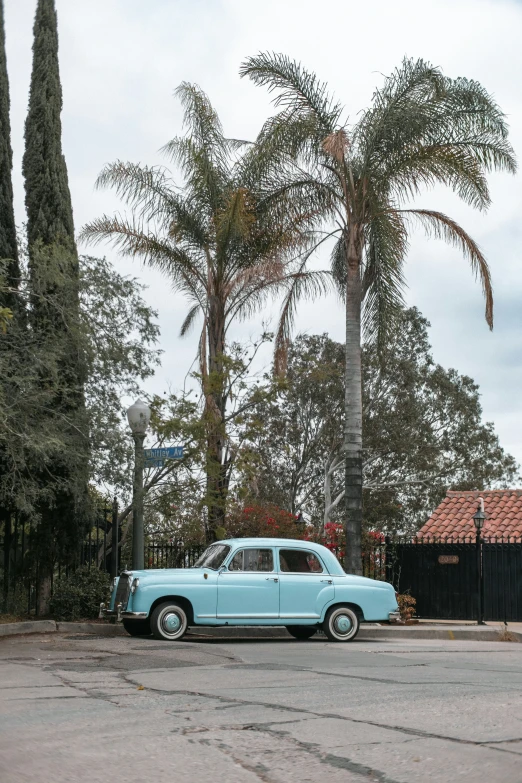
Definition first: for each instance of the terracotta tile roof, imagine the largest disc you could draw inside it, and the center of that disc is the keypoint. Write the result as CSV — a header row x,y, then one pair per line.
x,y
454,517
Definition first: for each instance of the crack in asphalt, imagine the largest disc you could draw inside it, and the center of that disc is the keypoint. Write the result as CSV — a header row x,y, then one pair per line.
x,y
381,680
420,733
205,735
330,759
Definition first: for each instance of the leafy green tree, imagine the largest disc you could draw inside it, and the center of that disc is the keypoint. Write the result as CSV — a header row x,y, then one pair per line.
x,y
54,283
422,425
421,129
119,339
225,243
118,336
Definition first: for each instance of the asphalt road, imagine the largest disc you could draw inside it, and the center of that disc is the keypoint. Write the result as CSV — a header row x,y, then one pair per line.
x,y
82,708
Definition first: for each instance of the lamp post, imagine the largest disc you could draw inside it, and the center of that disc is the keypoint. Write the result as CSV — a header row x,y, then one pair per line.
x,y
138,416
478,519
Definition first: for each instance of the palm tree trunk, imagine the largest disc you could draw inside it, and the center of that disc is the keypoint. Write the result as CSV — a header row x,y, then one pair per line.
x,y
353,411
216,404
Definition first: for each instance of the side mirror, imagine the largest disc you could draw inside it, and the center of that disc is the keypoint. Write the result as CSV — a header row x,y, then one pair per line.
x,y
222,569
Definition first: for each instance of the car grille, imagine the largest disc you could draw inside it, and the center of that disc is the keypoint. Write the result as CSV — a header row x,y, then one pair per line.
x,y
123,590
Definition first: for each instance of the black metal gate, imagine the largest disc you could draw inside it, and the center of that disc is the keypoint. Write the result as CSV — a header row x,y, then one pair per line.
x,y
443,577
502,569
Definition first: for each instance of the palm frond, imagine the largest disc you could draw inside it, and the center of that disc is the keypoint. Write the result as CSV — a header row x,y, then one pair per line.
x,y
201,120
338,262
441,226
204,153
424,128
188,323
130,238
383,283
152,196
398,109
297,89
301,285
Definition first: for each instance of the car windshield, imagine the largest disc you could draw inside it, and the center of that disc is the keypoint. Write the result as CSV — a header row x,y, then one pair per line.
x,y
213,557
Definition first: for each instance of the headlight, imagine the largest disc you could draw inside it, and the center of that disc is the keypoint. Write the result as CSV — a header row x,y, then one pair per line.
x,y
134,586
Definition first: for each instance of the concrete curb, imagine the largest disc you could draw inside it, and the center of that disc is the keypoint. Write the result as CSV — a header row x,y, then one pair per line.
x,y
478,633
100,629
402,632
31,626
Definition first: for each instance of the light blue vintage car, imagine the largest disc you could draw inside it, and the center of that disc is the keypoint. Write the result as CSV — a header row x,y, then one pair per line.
x,y
252,581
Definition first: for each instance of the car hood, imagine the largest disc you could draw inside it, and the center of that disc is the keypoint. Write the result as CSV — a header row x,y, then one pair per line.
x,y
169,573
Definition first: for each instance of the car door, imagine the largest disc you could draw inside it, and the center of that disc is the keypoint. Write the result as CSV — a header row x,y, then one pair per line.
x,y
249,588
305,587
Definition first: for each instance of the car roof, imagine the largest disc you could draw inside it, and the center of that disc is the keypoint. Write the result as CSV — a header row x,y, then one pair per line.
x,y
272,542
330,560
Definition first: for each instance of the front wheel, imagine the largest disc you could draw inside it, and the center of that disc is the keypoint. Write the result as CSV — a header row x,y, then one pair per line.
x,y
301,631
341,624
137,627
169,622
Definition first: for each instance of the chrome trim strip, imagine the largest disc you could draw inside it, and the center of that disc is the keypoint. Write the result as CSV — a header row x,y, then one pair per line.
x,y
245,616
394,616
119,614
134,615
300,616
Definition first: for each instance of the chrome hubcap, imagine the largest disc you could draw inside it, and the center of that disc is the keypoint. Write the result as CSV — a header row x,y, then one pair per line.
x,y
343,624
171,622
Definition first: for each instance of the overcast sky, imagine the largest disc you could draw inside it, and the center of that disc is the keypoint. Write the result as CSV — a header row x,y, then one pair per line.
x,y
120,61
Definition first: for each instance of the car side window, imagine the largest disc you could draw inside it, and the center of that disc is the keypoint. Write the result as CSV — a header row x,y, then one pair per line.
x,y
252,560
299,561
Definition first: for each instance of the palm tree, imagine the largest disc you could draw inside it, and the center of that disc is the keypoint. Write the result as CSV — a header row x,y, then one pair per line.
x,y
421,129
221,242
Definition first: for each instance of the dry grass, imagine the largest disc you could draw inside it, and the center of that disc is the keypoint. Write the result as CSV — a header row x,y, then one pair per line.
x,y
506,636
12,618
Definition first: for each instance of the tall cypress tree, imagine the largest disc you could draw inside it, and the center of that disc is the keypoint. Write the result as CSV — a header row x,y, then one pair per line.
x,y
8,246
54,293
11,274
47,195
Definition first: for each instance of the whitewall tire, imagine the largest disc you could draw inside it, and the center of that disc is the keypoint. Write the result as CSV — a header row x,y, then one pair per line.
x,y
341,624
169,622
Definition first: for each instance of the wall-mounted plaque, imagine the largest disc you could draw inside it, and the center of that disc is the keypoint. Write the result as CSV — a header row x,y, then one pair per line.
x,y
448,559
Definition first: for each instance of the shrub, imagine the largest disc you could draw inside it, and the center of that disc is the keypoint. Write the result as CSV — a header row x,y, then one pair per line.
x,y
78,596
407,605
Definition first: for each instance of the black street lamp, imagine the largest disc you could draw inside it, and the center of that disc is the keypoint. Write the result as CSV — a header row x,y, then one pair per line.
x,y
139,418
478,518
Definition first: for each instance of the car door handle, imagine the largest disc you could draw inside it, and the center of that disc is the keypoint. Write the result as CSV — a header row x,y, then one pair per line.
x,y
328,581
271,579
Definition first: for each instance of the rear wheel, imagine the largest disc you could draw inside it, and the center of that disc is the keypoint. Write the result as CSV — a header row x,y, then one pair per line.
x,y
137,627
341,624
301,631
169,622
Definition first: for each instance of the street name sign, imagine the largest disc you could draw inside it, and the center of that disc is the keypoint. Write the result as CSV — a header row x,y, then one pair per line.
x,y
156,458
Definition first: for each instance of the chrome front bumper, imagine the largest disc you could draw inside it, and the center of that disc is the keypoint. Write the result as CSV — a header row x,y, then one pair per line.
x,y
394,617
119,614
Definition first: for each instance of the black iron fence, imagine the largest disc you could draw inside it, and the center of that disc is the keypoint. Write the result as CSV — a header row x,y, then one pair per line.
x,y
446,577
171,555
460,580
